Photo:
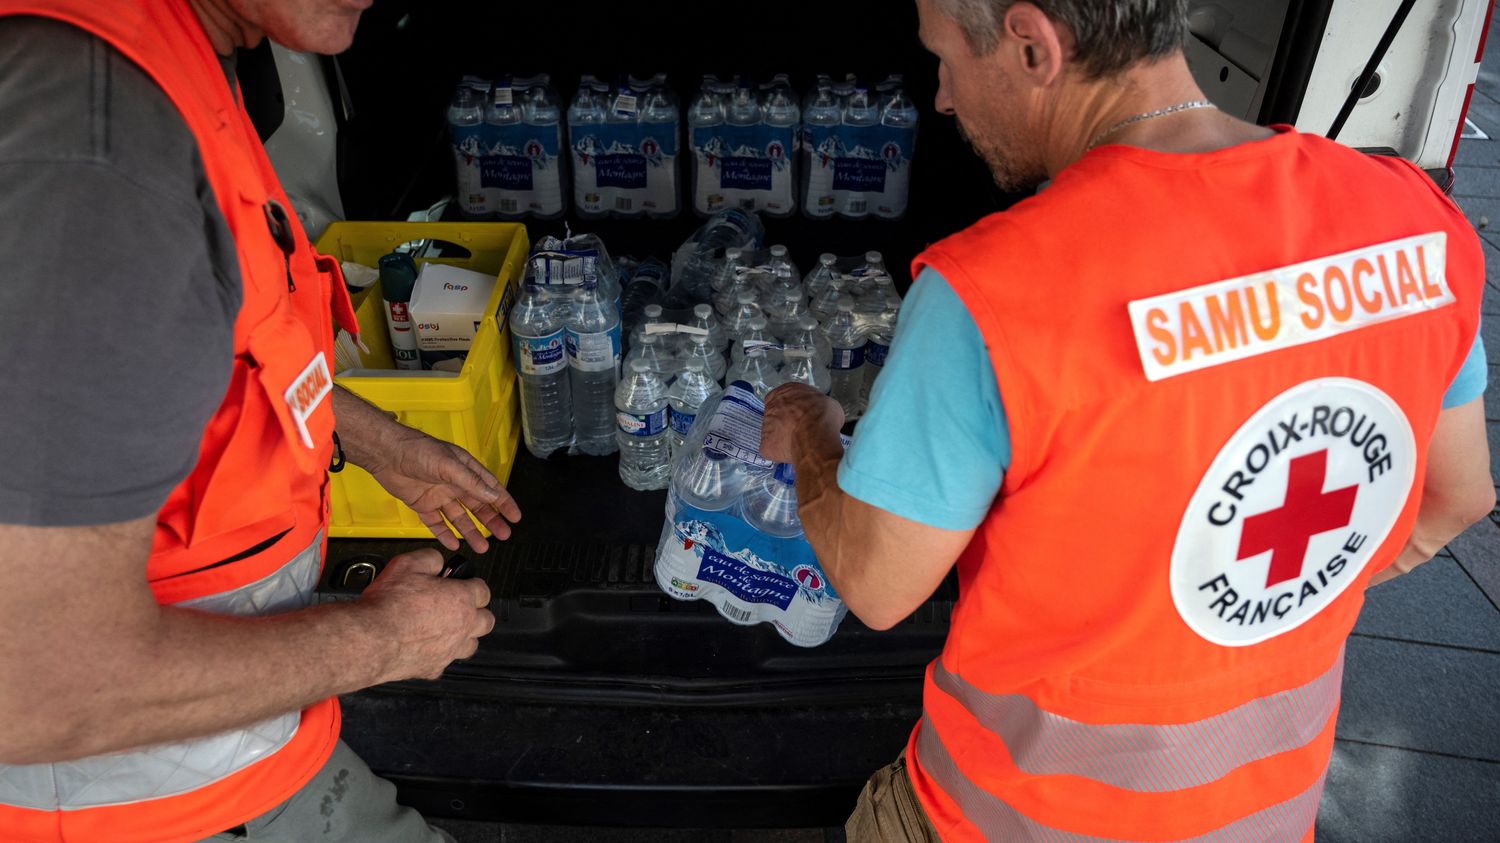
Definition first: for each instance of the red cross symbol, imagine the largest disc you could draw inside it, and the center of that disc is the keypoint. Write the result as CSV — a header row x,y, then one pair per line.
x,y
1307,512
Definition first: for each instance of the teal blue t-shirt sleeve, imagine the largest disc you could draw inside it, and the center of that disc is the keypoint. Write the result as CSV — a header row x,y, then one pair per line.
x,y
934,445
1471,380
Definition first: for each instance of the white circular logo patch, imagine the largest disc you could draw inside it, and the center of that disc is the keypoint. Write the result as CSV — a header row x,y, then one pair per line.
x,y
1291,510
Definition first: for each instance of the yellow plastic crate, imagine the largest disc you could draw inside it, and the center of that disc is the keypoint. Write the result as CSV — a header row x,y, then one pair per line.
x,y
478,410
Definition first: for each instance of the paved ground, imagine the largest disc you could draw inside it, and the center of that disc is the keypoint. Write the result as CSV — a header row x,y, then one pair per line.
x,y
1418,752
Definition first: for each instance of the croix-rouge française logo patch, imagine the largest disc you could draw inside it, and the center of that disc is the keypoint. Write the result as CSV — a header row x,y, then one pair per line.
x,y
1291,510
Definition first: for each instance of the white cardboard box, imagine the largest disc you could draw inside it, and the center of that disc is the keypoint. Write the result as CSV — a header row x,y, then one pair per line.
x,y
448,305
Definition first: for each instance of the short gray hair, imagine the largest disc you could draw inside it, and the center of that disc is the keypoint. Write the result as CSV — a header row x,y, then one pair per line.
x,y
1109,35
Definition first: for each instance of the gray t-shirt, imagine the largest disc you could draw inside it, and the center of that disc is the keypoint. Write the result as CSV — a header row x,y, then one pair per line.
x,y
119,284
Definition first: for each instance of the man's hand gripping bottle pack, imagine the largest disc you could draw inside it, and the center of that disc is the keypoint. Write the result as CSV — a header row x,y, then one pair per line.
x,y
732,534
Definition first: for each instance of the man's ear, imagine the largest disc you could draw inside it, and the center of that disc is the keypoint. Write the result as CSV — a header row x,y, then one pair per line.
x,y
1039,46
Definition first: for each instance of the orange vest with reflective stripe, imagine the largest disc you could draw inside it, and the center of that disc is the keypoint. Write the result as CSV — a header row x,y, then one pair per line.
x,y
1220,373
243,533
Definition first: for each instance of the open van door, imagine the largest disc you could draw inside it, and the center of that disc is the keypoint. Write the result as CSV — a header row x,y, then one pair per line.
x,y
1413,64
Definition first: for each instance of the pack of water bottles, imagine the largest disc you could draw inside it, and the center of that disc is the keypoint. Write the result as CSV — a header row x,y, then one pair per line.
x,y
565,328
701,259
744,141
732,535
624,141
830,329
857,146
507,141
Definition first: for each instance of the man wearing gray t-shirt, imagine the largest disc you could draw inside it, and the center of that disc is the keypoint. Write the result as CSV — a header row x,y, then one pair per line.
x,y
118,311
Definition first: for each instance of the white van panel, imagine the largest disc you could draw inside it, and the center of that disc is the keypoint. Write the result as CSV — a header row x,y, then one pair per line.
x,y
1424,78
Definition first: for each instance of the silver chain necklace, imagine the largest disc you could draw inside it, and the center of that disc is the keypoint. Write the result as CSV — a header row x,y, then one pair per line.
x,y
1149,115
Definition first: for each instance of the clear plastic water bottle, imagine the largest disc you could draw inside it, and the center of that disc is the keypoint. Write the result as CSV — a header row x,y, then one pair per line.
x,y
700,347
651,314
585,119
802,366
541,111
825,304
862,110
641,413
822,275
822,117
500,118
745,311
700,261
758,372
660,122
705,320
705,116
538,336
780,264
727,301
728,229
624,111
880,288
899,112
868,274
742,114
879,345
610,288
769,503
709,480
685,398
466,128
660,361
783,117
593,339
643,293
730,272
808,336
707,109
744,106
785,307
758,330
848,358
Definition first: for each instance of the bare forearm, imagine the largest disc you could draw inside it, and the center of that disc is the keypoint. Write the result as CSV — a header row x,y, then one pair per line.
x,y
1435,528
193,674
821,506
1457,488
365,431
882,565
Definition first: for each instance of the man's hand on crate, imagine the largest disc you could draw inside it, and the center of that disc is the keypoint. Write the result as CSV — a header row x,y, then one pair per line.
x,y
436,479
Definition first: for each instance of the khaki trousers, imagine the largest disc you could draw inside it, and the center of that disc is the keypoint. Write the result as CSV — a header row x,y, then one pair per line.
x,y
888,810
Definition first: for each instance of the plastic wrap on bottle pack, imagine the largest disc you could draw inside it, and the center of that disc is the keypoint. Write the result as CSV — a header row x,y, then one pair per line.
x,y
700,259
721,486
520,169
624,140
857,146
578,279
744,143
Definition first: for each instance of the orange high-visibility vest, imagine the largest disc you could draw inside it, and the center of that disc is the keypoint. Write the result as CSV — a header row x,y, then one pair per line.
x,y
244,532
1221,373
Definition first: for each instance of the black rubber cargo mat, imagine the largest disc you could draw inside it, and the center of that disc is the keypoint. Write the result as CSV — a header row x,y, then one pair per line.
x,y
600,700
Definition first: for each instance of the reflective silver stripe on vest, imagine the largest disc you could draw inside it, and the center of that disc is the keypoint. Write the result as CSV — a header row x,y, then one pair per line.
x,y
1149,758
1289,820
172,769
